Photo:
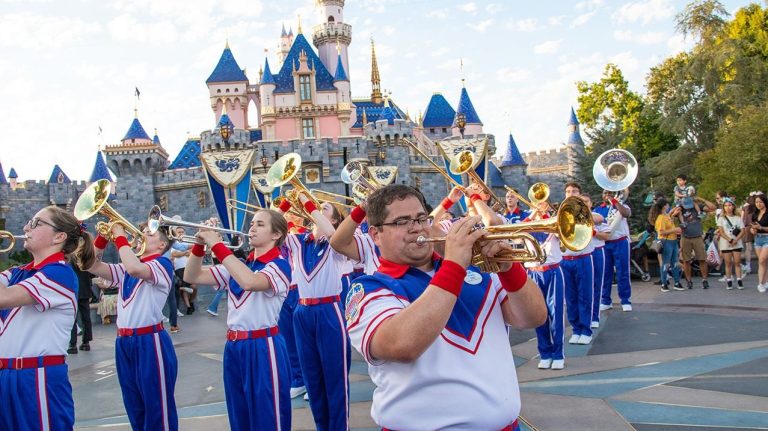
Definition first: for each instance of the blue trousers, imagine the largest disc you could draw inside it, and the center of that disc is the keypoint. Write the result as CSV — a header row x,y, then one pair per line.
x,y
598,263
579,283
617,255
285,322
146,368
324,354
257,385
35,399
214,305
550,334
669,255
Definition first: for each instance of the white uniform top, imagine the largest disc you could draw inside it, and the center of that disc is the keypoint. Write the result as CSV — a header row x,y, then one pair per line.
x,y
250,310
466,378
140,303
369,255
445,225
550,246
622,229
602,227
41,329
317,267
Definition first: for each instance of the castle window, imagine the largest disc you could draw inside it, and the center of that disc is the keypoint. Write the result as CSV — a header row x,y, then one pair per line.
x,y
305,90
235,90
445,130
330,18
227,90
219,90
432,130
308,128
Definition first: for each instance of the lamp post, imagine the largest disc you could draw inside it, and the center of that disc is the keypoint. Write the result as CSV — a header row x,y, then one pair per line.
x,y
461,121
225,130
382,154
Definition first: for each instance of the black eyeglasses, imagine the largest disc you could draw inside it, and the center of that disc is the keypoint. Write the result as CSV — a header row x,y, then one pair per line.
x,y
35,222
424,221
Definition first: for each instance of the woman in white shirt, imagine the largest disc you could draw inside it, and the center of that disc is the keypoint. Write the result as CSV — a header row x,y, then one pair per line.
x,y
731,230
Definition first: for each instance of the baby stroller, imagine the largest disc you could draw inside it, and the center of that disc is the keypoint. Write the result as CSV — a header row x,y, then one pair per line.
x,y
639,252
709,236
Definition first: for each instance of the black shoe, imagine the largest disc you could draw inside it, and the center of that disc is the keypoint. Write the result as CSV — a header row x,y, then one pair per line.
x,y
704,284
72,350
85,347
679,286
191,308
740,284
729,284
690,284
665,287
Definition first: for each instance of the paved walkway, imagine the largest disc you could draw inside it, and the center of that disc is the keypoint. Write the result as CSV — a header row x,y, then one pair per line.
x,y
690,360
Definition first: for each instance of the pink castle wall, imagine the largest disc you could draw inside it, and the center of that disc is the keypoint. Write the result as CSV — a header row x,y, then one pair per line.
x,y
285,129
329,127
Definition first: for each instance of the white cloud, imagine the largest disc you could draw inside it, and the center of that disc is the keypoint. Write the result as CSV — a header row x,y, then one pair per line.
x,y
126,27
440,51
388,30
556,21
481,26
528,24
548,47
467,7
647,38
513,74
678,43
437,14
38,32
494,8
644,11
589,4
583,19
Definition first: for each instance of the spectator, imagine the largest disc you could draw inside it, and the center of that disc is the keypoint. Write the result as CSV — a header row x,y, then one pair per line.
x,y
683,189
692,242
759,228
179,255
107,301
84,295
667,233
730,229
747,210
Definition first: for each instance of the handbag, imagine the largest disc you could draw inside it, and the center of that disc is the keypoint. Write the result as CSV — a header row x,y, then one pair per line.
x,y
656,246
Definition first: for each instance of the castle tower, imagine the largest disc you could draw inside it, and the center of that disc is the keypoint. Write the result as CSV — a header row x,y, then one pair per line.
x,y
438,118
229,84
513,167
343,96
100,171
58,176
574,135
333,31
574,145
3,180
267,89
284,47
473,125
375,78
13,179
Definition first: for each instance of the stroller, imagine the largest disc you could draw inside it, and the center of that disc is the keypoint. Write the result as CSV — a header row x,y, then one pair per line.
x,y
639,252
709,236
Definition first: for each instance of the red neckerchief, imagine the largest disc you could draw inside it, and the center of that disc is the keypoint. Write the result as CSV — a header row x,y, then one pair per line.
x,y
603,205
516,211
266,257
396,270
148,258
55,257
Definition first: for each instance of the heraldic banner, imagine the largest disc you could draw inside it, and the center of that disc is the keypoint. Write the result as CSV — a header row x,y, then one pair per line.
x,y
479,147
229,177
265,194
383,175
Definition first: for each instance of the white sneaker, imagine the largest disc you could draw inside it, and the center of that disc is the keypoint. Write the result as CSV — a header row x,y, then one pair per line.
x,y
166,320
585,339
574,339
306,397
295,392
626,307
187,289
179,313
723,280
594,325
214,314
604,307
761,288
558,364
545,364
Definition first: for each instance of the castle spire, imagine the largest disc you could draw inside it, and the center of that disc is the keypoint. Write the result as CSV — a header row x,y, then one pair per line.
x,y
375,78
574,136
2,175
100,170
365,117
299,29
512,156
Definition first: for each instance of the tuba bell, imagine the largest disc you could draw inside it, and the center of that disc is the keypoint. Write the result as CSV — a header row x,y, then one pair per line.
x,y
615,170
285,170
94,201
11,238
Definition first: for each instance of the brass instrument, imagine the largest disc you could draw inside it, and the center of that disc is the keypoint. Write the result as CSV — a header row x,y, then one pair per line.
x,y
435,165
285,170
573,224
333,198
353,174
156,220
464,163
537,194
94,201
615,170
11,238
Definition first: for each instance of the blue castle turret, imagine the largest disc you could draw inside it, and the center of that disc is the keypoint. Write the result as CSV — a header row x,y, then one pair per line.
x,y
100,171
189,156
2,175
473,125
512,156
574,137
136,131
227,69
341,74
58,176
267,77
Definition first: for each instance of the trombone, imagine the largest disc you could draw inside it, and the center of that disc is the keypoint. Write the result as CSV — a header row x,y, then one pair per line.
x,y
94,201
537,194
464,163
11,238
253,209
333,198
156,220
573,224
285,170
439,169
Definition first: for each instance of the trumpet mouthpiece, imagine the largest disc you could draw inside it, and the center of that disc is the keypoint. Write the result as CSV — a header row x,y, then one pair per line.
x,y
422,240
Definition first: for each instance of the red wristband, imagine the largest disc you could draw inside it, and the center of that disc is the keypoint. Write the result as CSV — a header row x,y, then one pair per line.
x,y
121,242
100,242
221,251
198,250
450,277
475,197
614,202
291,225
514,279
285,205
447,204
357,214
309,207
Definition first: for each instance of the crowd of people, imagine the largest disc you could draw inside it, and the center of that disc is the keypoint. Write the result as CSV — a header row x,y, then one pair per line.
x,y
399,282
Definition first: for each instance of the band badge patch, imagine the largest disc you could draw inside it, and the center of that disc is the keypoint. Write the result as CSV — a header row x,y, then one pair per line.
x,y
473,278
354,296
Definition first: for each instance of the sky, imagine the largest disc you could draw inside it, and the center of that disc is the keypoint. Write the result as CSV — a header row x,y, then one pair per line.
x,y
70,67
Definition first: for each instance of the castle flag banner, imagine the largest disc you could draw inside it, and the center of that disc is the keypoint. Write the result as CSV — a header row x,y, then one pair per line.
x,y
262,190
383,175
229,177
479,147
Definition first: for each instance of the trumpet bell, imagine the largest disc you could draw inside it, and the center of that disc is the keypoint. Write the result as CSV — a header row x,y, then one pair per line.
x,y
538,193
462,162
351,172
615,170
284,170
575,225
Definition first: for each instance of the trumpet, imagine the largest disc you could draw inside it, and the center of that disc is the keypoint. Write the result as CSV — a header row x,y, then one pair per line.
x,y
464,163
352,174
11,238
573,224
283,171
537,194
156,220
94,201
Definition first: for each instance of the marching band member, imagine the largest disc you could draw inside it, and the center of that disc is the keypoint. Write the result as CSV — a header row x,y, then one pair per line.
x,y
144,355
616,251
357,246
549,277
513,214
256,367
38,302
578,274
321,335
602,232
433,330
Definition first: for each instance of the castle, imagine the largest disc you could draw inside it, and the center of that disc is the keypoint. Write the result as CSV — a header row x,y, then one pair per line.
x,y
306,107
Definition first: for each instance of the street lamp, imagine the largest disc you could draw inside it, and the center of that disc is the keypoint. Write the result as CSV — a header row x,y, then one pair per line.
x,y
461,121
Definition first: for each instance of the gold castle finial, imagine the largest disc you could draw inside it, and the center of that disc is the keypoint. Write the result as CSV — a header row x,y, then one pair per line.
x,y
299,29
375,77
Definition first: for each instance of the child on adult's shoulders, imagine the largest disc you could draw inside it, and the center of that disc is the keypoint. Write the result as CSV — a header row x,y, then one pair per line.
x,y
683,189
